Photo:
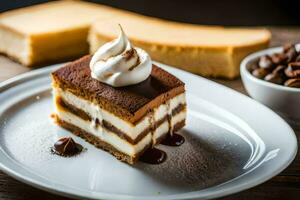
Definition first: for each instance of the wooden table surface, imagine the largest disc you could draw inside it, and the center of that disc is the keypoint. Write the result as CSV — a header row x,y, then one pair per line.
x,y
284,186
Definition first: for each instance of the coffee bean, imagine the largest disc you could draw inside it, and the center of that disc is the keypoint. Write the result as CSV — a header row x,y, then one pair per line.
x,y
293,82
253,66
287,47
293,70
265,62
279,69
279,58
274,78
291,54
260,73
297,58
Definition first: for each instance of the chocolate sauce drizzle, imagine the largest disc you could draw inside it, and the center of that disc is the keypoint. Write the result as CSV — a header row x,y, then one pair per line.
x,y
173,140
153,156
67,147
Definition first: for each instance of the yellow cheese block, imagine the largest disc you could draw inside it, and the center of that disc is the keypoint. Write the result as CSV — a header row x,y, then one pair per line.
x,y
205,50
49,32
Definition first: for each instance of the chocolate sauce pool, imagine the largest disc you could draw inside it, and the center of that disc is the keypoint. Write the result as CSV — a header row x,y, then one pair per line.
x,y
153,156
157,156
174,140
67,147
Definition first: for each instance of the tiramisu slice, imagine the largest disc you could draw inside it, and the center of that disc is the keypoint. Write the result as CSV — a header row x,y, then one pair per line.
x,y
118,101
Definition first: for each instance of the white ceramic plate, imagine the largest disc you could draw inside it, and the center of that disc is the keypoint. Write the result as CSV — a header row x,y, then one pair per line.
x,y
232,143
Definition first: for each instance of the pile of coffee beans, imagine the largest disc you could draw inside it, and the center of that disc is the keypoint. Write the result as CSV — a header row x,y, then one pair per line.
x,y
280,68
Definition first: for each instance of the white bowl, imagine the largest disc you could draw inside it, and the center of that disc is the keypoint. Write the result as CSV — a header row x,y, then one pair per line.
x,y
283,100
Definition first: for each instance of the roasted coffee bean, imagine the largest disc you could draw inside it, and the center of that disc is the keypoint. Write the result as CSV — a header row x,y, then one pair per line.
x,y
253,66
287,47
265,62
297,58
293,70
291,54
293,82
274,78
279,58
260,73
279,69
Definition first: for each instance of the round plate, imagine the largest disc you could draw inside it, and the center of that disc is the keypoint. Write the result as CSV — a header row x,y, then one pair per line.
x,y
232,143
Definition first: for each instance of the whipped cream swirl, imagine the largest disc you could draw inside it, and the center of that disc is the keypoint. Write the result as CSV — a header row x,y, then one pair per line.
x,y
118,63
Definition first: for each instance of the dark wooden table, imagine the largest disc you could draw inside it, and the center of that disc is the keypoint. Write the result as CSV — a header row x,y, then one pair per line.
x,y
284,186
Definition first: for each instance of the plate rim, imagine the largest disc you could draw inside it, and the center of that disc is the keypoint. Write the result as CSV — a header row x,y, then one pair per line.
x,y
188,195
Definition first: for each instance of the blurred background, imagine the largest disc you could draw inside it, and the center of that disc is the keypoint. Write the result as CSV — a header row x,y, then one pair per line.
x,y
213,12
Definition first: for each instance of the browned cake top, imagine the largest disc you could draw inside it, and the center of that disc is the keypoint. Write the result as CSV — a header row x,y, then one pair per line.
x,y
130,103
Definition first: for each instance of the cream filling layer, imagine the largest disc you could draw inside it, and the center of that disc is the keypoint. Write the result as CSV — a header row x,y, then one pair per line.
x,y
163,129
105,135
178,118
130,129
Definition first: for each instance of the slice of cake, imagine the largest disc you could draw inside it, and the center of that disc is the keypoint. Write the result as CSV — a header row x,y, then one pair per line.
x,y
49,32
206,50
118,100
